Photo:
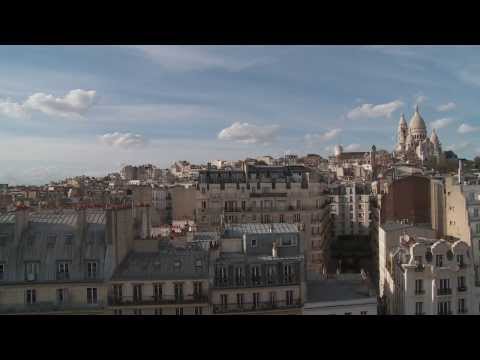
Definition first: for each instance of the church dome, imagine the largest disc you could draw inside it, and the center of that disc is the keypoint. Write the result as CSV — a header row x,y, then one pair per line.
x,y
416,122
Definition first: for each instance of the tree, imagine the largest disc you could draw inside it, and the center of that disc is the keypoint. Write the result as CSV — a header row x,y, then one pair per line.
x,y
476,161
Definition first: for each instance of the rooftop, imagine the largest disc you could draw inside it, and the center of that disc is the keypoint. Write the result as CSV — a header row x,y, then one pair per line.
x,y
240,229
351,287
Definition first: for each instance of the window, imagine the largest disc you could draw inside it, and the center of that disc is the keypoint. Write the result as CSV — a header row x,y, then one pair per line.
x,y
444,308
419,308
157,291
198,310
158,311
117,312
289,297
439,260
92,296
178,311
256,275
51,240
91,269
137,311
475,212
296,217
68,238
348,313
419,287
477,228
63,270
204,204
224,299
137,292
61,296
271,274
253,243
461,306
256,299
460,260
282,218
363,313
461,283
243,205
418,260
117,292
240,298
197,289
2,271
239,276
178,288
31,271
273,298
288,274
444,283
31,296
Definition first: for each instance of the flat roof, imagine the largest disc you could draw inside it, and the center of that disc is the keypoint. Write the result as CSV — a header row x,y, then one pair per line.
x,y
338,289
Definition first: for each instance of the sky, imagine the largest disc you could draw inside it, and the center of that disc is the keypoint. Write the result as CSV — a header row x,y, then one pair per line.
x,y
75,110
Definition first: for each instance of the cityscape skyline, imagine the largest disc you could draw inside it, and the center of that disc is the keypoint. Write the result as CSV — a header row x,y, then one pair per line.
x,y
72,110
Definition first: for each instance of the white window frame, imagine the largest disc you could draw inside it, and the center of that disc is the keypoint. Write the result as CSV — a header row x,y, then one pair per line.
x,y
92,265
92,296
30,294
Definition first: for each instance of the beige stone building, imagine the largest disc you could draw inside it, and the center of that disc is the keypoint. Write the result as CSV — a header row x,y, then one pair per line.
x,y
267,194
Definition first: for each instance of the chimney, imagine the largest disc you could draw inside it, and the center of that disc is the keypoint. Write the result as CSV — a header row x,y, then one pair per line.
x,y
274,249
22,219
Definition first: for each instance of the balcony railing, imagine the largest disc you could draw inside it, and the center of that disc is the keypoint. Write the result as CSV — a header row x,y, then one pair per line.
x,y
49,306
445,312
462,288
260,282
444,291
462,311
249,307
156,300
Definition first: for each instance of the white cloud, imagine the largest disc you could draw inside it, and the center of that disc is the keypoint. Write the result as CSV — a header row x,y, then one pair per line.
x,y
419,99
352,147
465,129
249,133
459,147
12,109
123,140
326,136
441,123
74,103
447,107
366,111
188,58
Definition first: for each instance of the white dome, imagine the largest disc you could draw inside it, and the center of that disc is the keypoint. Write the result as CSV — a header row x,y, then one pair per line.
x,y
416,122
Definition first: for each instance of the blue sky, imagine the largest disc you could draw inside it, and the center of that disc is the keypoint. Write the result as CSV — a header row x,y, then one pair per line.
x,y
70,110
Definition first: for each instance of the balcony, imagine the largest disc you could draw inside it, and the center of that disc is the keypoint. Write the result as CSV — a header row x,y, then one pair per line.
x,y
249,307
462,311
444,292
259,282
156,300
445,312
462,288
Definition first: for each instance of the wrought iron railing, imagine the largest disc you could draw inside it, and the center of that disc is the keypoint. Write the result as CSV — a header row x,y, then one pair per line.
x,y
260,306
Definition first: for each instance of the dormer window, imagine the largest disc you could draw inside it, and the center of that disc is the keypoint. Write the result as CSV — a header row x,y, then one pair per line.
x,y
439,260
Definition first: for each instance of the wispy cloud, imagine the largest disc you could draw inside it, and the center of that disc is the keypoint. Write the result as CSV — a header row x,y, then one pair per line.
x,y
441,123
419,99
190,58
123,140
312,139
459,147
249,133
367,111
466,129
446,107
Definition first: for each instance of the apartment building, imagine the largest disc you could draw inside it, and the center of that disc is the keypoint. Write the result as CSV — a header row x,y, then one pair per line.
x,y
162,281
350,208
258,269
462,214
430,277
59,261
267,194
